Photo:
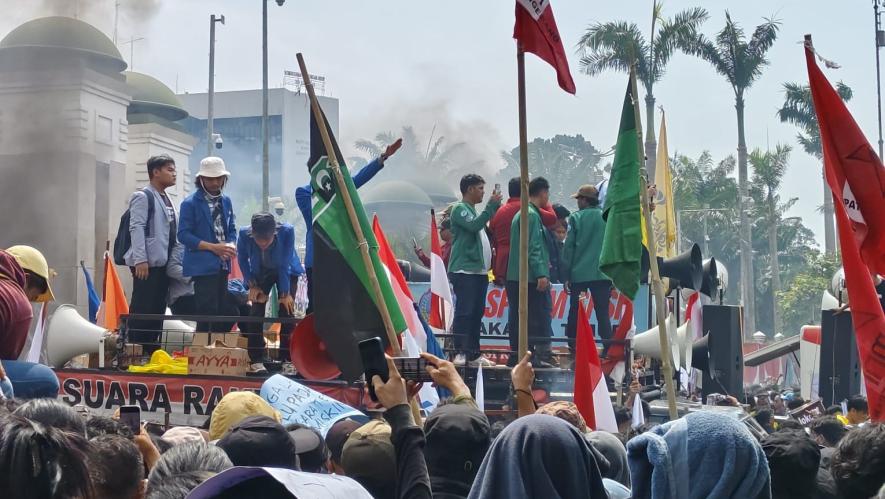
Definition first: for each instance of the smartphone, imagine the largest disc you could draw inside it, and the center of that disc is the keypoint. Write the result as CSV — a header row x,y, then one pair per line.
x,y
374,363
497,188
413,369
130,416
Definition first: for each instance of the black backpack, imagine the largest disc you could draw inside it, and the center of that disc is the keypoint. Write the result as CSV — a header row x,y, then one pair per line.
x,y
123,241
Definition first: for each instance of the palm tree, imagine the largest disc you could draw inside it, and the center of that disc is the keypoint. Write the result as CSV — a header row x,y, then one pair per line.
x,y
798,109
741,62
616,45
768,169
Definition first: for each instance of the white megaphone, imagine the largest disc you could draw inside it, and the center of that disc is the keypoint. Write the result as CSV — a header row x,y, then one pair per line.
x,y
177,334
648,343
837,285
828,301
68,334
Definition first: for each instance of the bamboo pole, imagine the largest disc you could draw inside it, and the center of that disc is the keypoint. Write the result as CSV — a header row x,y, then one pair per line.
x,y
354,222
656,284
523,208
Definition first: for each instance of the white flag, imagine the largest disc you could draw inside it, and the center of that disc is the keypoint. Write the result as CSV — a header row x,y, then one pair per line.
x,y
480,390
638,415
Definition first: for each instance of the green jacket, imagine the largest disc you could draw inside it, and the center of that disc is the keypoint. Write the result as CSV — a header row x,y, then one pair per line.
x,y
466,253
583,245
539,257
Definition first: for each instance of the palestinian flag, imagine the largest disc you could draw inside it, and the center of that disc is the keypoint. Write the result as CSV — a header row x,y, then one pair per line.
x,y
344,308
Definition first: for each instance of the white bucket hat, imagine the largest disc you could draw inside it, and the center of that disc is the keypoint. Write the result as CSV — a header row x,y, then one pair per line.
x,y
212,167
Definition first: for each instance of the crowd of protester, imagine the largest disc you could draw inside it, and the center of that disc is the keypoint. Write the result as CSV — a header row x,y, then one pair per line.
x,y
50,450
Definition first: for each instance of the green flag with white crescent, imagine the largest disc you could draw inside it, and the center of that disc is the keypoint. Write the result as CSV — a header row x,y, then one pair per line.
x,y
622,244
344,306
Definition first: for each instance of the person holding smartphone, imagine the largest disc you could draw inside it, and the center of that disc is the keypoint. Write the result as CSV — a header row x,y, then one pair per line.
x,y
469,265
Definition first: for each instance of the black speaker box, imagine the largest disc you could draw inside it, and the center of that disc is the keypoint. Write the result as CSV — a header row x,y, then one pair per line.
x,y
725,373
839,376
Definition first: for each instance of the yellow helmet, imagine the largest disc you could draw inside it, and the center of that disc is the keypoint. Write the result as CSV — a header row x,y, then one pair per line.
x,y
31,259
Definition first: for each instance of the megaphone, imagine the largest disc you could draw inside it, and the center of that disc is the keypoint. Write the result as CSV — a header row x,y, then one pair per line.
x,y
686,268
837,286
648,343
177,334
700,354
414,272
309,354
67,335
828,301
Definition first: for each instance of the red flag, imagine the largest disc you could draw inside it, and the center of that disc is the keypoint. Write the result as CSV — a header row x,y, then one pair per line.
x,y
536,30
440,316
590,392
857,178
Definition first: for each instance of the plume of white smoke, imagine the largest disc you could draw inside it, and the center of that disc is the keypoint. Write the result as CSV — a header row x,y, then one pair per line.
x,y
132,19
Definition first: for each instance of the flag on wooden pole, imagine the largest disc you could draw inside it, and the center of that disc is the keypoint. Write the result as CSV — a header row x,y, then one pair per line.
x,y
664,216
113,303
536,30
622,243
590,391
856,176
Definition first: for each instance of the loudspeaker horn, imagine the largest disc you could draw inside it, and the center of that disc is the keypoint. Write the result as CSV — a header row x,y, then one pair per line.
x,y
309,354
648,343
700,354
837,286
68,334
177,334
710,281
828,301
687,268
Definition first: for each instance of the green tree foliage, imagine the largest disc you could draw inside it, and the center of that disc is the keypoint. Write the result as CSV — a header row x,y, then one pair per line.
x,y
801,297
566,161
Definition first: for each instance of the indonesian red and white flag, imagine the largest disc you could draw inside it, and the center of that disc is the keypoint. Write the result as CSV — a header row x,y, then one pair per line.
x,y
535,29
857,178
590,392
414,339
400,288
441,310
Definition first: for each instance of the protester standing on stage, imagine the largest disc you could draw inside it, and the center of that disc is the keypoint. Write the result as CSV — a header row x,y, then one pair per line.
x,y
540,303
580,264
469,265
209,235
266,253
24,278
554,238
304,200
500,228
152,230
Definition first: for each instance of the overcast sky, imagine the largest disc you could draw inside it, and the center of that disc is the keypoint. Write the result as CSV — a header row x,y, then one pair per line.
x,y
408,62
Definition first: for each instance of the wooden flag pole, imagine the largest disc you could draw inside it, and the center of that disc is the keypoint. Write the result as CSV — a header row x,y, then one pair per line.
x,y
351,212
656,284
355,224
523,209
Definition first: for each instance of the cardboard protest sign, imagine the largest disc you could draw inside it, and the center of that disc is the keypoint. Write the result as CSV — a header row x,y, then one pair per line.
x,y
300,404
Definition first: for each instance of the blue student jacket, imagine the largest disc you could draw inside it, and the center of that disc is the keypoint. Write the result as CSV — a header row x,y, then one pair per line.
x,y
283,254
303,197
195,225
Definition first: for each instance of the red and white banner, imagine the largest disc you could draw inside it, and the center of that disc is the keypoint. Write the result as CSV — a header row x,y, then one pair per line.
x,y
590,390
187,399
441,302
535,29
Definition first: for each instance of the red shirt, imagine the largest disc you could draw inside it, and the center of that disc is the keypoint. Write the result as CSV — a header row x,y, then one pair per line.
x,y
499,225
15,309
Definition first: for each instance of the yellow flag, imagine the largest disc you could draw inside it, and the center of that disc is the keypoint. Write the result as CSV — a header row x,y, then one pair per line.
x,y
664,216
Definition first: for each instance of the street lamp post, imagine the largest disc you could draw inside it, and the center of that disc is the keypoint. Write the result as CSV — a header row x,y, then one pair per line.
x,y
265,160
210,114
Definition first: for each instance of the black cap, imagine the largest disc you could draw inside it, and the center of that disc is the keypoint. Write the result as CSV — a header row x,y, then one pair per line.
x,y
337,436
260,441
312,450
263,224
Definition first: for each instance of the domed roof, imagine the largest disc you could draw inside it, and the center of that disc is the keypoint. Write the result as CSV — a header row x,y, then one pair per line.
x,y
151,96
396,191
64,35
435,187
